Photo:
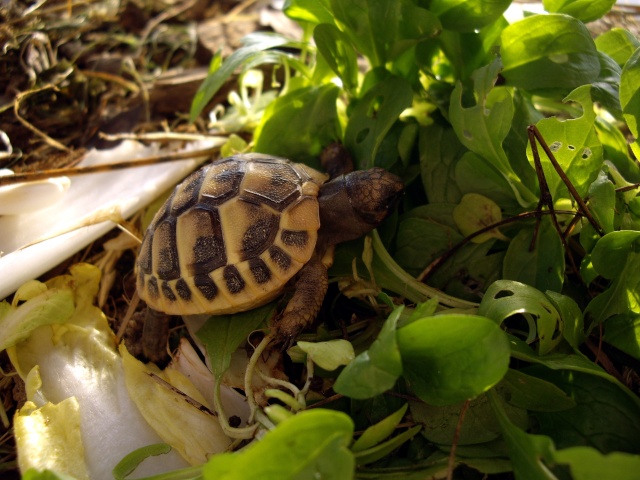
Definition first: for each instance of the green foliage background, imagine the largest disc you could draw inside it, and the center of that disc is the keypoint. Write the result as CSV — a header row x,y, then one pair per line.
x,y
505,324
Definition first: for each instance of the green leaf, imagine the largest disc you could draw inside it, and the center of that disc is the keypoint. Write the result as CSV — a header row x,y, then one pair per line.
x,y
602,201
483,127
311,444
252,45
605,89
572,319
616,256
532,393
573,362
588,463
334,46
439,150
604,417
312,11
543,266
468,15
451,358
313,111
616,150
466,52
623,332
33,474
382,30
630,93
548,52
527,452
373,116
474,174
422,310
381,450
329,355
378,432
414,254
618,43
375,370
223,334
389,275
469,271
585,10
480,426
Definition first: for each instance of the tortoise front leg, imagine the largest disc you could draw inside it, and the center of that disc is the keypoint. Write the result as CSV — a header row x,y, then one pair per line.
x,y
302,309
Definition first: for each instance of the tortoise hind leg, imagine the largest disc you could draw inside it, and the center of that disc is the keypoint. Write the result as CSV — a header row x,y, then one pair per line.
x,y
302,309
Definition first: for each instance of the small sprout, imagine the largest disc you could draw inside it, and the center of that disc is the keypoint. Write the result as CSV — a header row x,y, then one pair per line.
x,y
329,355
476,212
277,413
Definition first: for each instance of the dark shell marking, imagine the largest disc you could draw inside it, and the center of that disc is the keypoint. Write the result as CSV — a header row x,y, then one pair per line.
x,y
230,236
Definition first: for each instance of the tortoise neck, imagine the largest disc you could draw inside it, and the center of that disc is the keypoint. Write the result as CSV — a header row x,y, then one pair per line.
x,y
339,221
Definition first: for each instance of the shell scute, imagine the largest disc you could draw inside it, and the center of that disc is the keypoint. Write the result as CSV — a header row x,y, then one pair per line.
x,y
200,241
230,236
221,182
164,252
187,193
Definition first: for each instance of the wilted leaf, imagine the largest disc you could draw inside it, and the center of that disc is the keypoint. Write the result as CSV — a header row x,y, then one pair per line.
x,y
476,212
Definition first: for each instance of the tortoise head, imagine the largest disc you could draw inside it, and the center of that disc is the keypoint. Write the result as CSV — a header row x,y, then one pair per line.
x,y
352,205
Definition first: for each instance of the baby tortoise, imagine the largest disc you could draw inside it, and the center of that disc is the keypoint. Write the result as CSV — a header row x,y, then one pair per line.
x,y
235,232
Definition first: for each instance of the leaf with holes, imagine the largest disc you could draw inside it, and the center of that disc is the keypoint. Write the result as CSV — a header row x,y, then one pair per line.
x,y
505,298
575,146
483,127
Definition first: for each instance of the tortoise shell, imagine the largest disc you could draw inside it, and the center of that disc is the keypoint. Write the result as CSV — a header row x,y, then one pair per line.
x,y
230,236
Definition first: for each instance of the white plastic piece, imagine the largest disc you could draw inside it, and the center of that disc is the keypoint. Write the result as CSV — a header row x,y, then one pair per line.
x,y
32,196
124,191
